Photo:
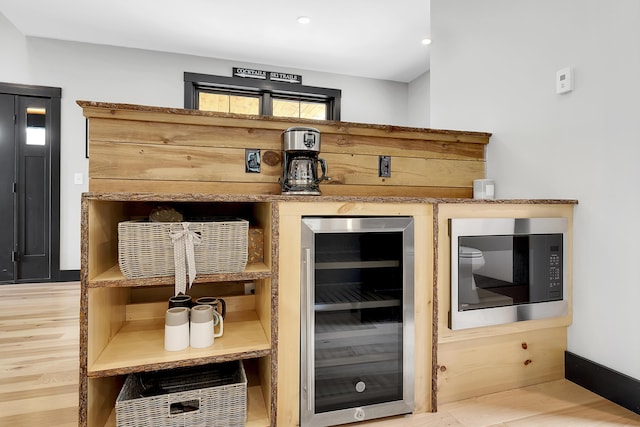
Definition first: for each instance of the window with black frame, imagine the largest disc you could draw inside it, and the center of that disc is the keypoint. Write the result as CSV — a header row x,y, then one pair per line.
x,y
239,95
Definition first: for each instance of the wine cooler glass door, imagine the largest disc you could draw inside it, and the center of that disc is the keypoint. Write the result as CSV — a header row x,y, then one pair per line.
x,y
357,310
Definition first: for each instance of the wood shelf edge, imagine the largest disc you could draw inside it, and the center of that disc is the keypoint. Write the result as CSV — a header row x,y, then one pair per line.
x,y
113,278
179,363
146,337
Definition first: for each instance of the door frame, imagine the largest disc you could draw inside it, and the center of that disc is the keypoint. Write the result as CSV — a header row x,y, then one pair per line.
x,y
55,95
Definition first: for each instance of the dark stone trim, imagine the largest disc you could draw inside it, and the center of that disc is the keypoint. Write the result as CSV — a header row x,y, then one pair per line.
x,y
612,385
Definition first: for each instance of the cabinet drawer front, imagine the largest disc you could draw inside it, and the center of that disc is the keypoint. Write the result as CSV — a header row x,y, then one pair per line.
x,y
476,367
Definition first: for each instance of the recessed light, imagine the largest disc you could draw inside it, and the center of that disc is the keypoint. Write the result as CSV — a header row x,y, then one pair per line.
x,y
304,20
426,42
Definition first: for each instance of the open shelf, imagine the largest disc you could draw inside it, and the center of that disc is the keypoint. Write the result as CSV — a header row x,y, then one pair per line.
x,y
257,415
139,346
122,330
113,277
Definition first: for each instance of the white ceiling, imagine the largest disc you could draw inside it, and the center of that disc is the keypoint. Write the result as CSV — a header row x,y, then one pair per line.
x,y
366,38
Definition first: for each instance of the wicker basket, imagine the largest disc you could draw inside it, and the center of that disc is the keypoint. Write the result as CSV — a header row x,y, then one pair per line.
x,y
145,249
214,396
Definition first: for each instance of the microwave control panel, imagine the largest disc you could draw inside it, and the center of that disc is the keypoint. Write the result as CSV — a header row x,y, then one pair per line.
x,y
555,275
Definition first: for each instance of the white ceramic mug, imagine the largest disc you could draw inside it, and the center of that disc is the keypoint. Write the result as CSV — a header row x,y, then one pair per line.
x,y
176,329
203,321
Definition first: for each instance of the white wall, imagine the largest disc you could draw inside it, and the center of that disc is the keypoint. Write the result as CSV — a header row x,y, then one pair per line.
x,y
419,95
14,50
493,65
111,74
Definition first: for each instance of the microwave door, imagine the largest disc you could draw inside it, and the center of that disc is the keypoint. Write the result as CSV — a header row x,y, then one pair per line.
x,y
485,272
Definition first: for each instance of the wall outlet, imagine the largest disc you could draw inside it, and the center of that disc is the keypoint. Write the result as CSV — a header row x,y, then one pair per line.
x,y
252,160
384,166
77,178
249,288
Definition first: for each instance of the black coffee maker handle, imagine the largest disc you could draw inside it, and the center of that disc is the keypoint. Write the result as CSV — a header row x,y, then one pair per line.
x,y
323,166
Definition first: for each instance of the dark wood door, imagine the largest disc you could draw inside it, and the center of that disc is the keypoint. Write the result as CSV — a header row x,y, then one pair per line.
x,y
33,184
7,190
29,189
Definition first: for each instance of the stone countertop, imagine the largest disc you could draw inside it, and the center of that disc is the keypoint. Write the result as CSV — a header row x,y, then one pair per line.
x,y
186,197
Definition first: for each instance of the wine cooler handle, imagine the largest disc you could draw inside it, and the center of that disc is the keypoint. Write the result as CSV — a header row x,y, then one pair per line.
x,y
308,312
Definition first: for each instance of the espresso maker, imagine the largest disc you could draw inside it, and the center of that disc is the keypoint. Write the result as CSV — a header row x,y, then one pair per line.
x,y
301,146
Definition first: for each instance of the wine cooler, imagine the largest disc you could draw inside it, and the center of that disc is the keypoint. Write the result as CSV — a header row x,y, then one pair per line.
x,y
357,319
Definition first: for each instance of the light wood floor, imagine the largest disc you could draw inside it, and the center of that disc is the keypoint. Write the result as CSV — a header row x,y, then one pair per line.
x,y
39,354
39,376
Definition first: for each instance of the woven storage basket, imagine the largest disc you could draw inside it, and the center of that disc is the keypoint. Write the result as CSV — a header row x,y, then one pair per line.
x,y
145,249
212,396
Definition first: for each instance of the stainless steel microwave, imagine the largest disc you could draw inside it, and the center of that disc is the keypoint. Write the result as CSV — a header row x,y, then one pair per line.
x,y
505,270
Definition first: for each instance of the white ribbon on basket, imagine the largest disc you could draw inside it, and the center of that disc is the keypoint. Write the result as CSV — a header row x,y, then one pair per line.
x,y
183,250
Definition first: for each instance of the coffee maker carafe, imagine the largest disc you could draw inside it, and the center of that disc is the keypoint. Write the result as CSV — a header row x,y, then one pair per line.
x,y
301,146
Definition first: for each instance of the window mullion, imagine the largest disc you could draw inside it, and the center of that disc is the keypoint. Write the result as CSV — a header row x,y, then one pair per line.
x,y
267,104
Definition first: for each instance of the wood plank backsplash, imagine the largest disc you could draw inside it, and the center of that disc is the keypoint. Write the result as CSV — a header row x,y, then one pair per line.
x,y
152,149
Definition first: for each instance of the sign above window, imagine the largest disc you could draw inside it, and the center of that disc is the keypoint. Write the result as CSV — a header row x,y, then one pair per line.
x,y
250,73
